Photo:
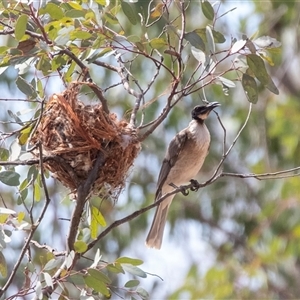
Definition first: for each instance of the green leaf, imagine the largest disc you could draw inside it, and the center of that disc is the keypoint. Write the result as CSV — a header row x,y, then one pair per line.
x,y
128,260
110,18
157,43
207,10
25,87
115,268
132,283
37,192
3,265
195,40
218,37
76,278
24,134
53,10
4,154
129,12
97,285
74,13
257,66
250,88
142,293
134,270
20,27
10,178
97,215
99,276
80,246
272,87
79,34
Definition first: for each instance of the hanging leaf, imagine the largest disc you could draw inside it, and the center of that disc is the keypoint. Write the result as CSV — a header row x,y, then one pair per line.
x,y
97,215
24,134
99,276
25,87
53,10
218,37
250,88
257,66
158,43
207,10
129,12
10,178
4,154
128,260
97,285
3,265
80,246
195,40
20,27
132,283
134,270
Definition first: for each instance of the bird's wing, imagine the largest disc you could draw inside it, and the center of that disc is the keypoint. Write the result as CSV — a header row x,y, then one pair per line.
x,y
174,149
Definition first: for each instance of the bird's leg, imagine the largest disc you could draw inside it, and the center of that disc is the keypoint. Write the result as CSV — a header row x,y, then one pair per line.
x,y
195,185
183,190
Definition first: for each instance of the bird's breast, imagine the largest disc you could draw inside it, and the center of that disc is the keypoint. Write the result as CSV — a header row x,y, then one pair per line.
x,y
192,156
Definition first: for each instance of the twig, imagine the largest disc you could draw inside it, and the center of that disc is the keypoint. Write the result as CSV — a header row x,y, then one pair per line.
x,y
82,194
56,253
225,154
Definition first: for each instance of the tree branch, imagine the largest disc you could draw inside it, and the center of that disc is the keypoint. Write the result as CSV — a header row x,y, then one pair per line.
x,y
82,194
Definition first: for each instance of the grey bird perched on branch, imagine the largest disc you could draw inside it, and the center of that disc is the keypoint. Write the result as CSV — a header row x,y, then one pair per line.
x,y
184,159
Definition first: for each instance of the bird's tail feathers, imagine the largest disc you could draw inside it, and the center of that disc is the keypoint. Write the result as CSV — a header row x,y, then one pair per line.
x,y
155,235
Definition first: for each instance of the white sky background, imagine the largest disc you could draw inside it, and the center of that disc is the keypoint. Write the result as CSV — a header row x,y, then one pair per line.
x,y
173,261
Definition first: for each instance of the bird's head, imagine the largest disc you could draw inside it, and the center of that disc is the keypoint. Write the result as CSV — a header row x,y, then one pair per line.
x,y
201,112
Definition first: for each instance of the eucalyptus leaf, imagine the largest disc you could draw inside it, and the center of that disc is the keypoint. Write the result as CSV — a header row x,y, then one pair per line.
x,y
207,10
250,88
10,178
129,11
195,40
20,26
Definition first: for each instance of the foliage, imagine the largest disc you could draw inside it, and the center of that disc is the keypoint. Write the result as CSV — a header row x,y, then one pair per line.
x,y
52,44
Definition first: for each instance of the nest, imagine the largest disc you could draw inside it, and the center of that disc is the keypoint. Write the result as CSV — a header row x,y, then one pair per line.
x,y
77,133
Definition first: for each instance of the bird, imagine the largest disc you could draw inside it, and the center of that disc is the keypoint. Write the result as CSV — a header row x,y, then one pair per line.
x,y
183,160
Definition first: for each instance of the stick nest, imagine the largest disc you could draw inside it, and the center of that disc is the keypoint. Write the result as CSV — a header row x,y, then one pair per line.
x,y
77,133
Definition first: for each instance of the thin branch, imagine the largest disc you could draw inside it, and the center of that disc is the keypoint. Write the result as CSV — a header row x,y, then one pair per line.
x,y
82,194
225,154
48,248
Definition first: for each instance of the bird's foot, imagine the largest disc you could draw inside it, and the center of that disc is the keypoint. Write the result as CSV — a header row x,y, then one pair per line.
x,y
195,185
183,189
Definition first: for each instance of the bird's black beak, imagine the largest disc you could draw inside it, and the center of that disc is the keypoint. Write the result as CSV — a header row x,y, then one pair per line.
x,y
210,106
213,105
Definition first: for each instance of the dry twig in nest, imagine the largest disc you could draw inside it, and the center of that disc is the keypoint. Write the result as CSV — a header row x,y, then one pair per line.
x,y
76,132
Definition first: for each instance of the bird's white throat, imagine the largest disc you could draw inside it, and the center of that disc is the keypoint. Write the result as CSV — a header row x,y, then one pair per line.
x,y
199,132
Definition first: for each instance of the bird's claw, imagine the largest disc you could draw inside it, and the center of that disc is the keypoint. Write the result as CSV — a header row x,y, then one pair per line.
x,y
183,190
195,185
